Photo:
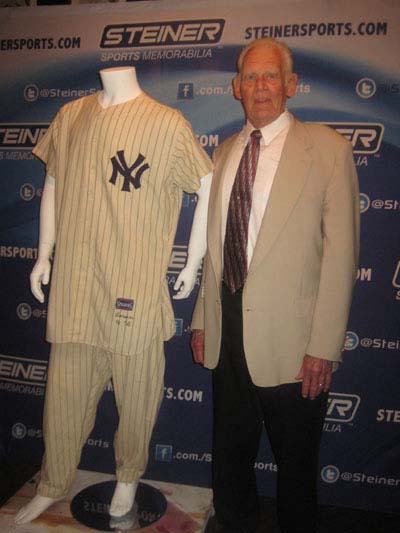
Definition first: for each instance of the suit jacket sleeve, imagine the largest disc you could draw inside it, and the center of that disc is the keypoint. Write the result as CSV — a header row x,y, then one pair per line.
x,y
198,313
340,228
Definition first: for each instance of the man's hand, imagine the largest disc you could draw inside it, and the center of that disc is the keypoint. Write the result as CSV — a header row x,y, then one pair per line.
x,y
197,345
316,374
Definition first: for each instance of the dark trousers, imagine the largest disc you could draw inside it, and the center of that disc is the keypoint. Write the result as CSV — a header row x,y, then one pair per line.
x,y
294,427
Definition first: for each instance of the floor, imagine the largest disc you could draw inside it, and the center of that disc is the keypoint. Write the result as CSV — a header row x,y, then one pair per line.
x,y
332,520
172,509
162,508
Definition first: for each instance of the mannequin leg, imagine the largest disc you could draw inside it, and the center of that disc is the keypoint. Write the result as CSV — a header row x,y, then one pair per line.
x,y
123,498
138,386
75,383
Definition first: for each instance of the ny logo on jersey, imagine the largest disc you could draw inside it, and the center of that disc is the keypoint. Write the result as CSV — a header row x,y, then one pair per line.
x,y
120,167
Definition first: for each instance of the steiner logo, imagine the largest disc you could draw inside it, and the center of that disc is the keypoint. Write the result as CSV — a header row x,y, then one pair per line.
x,y
22,370
169,33
21,136
178,259
342,407
365,137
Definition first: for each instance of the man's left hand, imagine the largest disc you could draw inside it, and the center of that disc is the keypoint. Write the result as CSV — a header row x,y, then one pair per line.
x,y
316,374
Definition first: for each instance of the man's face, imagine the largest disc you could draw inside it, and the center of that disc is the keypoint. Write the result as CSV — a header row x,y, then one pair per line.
x,y
261,85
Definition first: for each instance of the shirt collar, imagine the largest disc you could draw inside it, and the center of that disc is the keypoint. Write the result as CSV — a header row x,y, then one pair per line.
x,y
270,131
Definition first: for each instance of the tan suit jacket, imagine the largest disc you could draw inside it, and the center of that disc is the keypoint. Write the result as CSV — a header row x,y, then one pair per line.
x,y
297,295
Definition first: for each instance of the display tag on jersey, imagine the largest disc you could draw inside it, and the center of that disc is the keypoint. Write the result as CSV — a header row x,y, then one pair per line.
x,y
124,303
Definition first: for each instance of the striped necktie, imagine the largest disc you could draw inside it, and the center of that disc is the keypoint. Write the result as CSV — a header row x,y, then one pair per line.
x,y
237,223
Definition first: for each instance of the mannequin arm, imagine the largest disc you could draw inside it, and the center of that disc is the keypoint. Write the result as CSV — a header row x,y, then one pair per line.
x,y
197,243
41,271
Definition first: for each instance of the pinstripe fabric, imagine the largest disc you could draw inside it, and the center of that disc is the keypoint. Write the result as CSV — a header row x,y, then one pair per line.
x,y
115,231
77,377
138,386
237,224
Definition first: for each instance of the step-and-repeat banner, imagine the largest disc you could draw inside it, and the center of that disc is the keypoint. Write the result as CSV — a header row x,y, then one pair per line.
x,y
346,55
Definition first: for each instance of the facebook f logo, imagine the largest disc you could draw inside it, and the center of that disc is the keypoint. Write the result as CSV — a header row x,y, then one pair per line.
x,y
185,90
164,453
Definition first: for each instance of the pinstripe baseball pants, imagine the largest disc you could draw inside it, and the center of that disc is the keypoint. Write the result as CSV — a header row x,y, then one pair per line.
x,y
77,377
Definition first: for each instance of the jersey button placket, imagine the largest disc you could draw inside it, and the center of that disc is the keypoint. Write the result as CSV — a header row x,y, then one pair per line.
x,y
93,160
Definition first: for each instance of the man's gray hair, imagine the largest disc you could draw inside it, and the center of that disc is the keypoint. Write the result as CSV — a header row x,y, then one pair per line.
x,y
269,42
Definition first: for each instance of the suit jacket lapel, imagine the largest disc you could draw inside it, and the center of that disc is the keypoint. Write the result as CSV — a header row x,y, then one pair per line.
x,y
288,183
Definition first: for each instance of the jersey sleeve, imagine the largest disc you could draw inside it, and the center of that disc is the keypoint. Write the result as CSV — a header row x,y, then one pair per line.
x,y
47,148
190,162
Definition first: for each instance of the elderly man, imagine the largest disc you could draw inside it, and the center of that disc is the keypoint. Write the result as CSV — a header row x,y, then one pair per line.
x,y
278,276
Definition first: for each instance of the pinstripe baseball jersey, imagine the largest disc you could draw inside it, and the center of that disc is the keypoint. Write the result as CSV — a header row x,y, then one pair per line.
x,y
120,172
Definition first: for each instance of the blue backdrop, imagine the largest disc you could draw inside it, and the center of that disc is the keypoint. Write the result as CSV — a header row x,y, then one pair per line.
x,y
346,55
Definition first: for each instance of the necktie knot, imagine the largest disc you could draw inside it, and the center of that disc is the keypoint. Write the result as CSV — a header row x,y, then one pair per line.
x,y
256,135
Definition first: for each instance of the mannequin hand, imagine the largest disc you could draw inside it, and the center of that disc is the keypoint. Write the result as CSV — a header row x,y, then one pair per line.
x,y
40,274
185,282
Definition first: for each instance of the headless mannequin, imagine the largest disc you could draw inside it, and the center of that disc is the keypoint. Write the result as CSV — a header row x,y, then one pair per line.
x,y
119,85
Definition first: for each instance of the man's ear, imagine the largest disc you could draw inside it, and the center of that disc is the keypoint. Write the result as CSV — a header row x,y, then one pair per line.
x,y
236,87
291,85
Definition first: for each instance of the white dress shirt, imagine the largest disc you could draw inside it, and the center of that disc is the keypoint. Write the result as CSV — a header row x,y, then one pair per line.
x,y
271,146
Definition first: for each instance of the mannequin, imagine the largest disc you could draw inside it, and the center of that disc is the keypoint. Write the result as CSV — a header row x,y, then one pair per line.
x,y
120,85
